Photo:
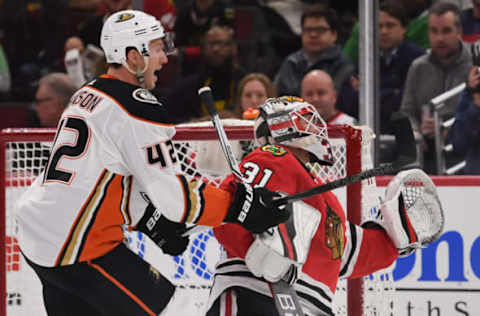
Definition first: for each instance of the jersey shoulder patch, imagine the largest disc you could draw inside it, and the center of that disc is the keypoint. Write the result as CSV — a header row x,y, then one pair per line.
x,y
144,95
138,102
275,150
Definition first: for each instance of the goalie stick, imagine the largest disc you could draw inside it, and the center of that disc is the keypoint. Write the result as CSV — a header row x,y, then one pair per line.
x,y
285,297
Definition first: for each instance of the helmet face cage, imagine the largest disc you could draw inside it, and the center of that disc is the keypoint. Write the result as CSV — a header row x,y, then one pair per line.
x,y
297,119
131,28
293,122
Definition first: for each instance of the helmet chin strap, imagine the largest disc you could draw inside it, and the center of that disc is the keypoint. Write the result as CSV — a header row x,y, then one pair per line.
x,y
139,72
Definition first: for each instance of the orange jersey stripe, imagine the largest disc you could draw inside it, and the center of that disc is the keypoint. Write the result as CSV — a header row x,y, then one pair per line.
x,y
122,288
217,202
105,233
75,223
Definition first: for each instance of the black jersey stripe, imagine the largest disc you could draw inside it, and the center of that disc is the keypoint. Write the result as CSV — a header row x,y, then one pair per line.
x,y
125,204
186,196
122,93
245,274
353,240
324,308
230,263
314,288
201,207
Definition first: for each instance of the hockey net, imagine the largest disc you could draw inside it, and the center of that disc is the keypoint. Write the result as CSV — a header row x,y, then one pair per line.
x,y
24,152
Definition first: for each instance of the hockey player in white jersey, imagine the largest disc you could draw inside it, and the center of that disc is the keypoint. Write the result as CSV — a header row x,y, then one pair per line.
x,y
114,131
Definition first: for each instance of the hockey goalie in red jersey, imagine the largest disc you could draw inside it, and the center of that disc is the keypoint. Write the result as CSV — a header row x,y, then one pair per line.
x,y
312,250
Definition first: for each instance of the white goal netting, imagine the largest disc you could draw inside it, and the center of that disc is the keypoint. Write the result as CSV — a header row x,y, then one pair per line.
x,y
25,152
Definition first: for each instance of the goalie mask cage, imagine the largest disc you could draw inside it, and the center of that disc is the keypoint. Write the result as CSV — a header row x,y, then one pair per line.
x,y
24,152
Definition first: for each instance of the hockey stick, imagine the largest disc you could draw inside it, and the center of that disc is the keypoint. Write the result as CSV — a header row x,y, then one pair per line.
x,y
285,297
405,145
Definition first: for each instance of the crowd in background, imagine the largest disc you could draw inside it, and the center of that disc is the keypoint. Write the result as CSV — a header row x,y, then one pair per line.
x,y
250,50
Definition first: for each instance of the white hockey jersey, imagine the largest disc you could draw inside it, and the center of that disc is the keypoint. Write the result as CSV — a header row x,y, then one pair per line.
x,y
75,209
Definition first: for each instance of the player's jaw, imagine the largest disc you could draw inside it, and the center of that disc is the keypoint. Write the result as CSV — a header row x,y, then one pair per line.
x,y
156,63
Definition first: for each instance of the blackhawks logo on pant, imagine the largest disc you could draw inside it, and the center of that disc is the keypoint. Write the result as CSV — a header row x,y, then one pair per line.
x,y
334,234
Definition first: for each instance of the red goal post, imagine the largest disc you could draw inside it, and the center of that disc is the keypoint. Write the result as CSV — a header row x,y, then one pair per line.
x,y
22,156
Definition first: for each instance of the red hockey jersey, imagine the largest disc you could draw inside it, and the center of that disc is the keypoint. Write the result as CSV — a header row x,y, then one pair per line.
x,y
338,249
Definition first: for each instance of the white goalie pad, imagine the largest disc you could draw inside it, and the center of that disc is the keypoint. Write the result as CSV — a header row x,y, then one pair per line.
x,y
265,263
274,251
412,213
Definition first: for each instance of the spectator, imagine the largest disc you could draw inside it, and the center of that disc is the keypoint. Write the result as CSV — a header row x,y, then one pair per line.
x,y
4,72
89,31
319,51
90,58
417,30
164,10
31,47
285,36
471,20
197,17
465,133
52,96
318,89
396,56
193,21
218,69
446,66
51,99
253,90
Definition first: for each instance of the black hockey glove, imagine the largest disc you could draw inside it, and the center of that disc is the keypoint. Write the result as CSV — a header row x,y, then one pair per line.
x,y
252,208
165,233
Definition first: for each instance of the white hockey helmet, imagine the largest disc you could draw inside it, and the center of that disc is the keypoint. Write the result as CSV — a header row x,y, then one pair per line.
x,y
131,28
293,122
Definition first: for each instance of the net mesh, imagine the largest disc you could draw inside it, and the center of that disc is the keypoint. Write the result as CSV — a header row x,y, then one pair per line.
x,y
200,156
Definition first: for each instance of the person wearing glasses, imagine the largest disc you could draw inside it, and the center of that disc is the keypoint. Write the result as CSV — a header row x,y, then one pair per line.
x,y
218,69
51,98
319,51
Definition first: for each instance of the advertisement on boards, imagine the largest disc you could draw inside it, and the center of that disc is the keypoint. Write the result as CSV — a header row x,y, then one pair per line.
x,y
443,279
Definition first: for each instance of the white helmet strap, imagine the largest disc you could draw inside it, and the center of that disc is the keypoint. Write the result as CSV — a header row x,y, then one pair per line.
x,y
139,72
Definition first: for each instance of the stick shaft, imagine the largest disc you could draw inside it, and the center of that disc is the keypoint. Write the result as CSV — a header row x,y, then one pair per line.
x,y
335,184
279,289
207,99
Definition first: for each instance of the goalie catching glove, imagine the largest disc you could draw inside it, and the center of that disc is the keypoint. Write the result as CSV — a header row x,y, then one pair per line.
x,y
165,233
412,213
253,209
